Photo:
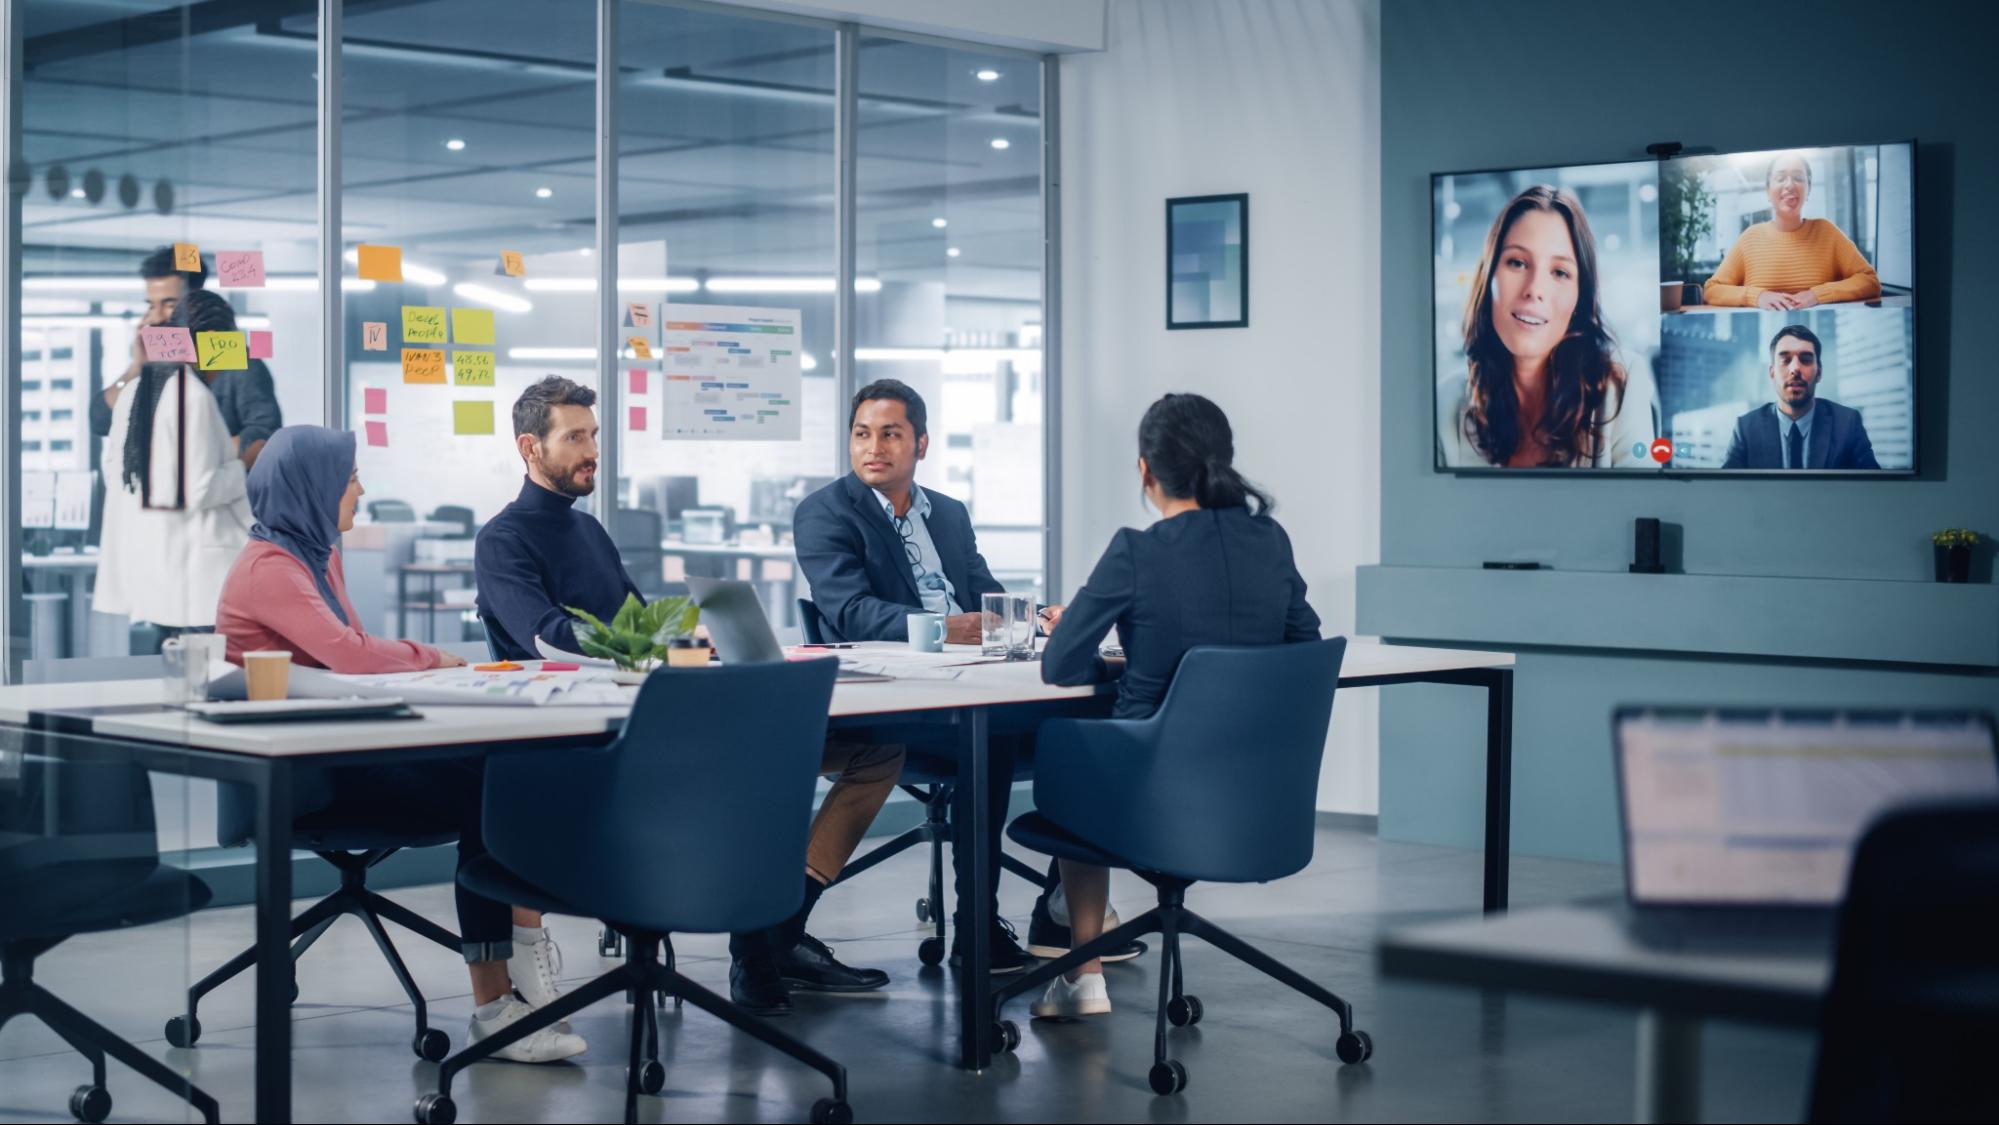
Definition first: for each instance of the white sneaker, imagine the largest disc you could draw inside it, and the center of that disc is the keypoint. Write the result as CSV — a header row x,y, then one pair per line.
x,y
1058,910
536,968
546,1045
1064,1000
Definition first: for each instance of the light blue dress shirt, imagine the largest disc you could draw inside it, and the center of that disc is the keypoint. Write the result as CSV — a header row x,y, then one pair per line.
x,y
927,572
1784,424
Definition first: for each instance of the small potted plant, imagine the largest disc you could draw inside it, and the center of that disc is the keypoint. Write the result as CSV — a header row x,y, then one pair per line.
x,y
1953,551
639,637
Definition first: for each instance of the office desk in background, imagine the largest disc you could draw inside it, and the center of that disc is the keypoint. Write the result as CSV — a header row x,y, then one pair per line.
x,y
1584,951
775,593
122,721
75,573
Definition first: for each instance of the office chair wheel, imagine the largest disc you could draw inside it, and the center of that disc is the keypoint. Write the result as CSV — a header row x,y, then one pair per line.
x,y
1167,1077
931,952
1006,1037
183,1031
294,992
90,1103
652,1077
431,1045
923,909
610,943
1183,1011
1354,1047
826,1111
435,1109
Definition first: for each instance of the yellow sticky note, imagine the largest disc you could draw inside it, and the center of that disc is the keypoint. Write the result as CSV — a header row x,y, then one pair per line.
x,y
472,369
187,257
423,324
511,264
380,263
472,326
639,346
472,417
222,351
423,365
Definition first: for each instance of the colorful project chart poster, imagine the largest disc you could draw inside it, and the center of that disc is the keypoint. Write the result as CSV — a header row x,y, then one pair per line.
x,y
731,373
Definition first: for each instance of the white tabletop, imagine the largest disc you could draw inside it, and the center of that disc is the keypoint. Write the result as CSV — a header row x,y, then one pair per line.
x,y
775,551
977,685
1586,950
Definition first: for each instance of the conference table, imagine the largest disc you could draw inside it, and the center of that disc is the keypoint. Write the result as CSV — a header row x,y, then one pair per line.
x,y
126,721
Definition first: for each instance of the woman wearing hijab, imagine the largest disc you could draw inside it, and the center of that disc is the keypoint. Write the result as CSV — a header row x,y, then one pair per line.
x,y
174,508
288,591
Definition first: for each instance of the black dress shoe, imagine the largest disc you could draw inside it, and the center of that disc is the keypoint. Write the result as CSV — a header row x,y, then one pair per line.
x,y
756,986
810,966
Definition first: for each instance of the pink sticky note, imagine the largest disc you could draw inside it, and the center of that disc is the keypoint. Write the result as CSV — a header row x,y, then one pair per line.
x,y
637,377
378,433
168,345
239,269
375,400
637,418
375,335
260,345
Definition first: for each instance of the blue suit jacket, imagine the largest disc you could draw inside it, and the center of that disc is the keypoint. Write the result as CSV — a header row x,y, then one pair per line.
x,y
853,557
1838,441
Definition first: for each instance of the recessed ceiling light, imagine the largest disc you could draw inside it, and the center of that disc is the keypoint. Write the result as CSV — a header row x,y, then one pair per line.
x,y
940,222
543,193
76,193
585,251
988,75
1002,143
454,144
951,252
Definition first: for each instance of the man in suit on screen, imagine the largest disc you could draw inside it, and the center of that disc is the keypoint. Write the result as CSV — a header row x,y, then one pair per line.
x,y
1800,430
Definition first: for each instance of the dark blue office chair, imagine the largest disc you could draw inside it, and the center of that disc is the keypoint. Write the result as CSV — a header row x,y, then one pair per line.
x,y
930,778
693,821
1910,1024
1218,785
351,843
78,855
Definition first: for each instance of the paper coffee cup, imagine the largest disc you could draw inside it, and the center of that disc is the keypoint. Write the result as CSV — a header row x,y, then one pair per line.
x,y
267,673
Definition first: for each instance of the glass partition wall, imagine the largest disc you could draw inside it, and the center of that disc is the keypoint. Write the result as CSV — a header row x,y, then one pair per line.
x,y
757,163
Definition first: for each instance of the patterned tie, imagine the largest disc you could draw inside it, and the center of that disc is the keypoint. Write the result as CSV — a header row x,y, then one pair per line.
x,y
1794,448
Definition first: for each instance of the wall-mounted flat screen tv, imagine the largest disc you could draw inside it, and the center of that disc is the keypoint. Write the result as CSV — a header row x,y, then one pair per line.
x,y
1737,313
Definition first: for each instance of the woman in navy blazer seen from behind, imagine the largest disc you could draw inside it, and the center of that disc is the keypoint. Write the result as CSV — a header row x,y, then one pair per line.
x,y
1215,569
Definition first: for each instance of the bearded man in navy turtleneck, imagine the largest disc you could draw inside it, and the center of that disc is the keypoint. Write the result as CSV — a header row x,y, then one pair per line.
x,y
540,554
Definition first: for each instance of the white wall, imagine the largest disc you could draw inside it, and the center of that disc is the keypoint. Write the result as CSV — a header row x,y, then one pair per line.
x,y
1278,98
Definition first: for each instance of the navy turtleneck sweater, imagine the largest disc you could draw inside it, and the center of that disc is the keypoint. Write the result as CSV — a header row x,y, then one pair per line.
x,y
536,556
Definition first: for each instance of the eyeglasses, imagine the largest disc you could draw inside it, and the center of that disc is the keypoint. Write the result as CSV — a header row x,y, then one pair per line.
x,y
910,551
1800,179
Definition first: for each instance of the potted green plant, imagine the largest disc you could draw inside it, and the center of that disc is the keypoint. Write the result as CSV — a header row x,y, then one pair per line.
x,y
1953,552
639,635
1686,215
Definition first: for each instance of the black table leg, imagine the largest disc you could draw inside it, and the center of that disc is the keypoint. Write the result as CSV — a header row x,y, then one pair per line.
x,y
274,958
1498,785
974,893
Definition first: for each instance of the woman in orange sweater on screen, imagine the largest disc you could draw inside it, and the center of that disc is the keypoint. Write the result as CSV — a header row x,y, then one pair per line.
x,y
1791,262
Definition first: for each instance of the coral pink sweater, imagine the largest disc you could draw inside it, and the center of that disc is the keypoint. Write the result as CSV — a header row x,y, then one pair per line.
x,y
269,601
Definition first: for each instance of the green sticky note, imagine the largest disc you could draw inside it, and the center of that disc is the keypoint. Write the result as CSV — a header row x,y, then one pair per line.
x,y
472,418
423,324
472,326
472,369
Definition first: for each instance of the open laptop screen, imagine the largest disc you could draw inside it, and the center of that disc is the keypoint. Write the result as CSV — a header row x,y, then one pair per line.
x,y
1765,807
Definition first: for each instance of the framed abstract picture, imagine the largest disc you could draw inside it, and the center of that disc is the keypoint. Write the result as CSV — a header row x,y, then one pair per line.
x,y
1207,261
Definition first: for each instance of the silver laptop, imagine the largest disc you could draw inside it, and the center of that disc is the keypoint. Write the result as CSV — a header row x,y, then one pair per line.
x,y
1739,825
741,630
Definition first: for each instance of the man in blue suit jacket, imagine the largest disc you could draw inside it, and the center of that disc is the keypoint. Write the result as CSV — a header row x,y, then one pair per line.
x,y
877,548
1799,430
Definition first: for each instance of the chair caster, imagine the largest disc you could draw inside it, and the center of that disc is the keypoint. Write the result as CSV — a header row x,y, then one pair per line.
x,y
1354,1047
651,1078
90,1103
826,1111
294,992
931,952
923,910
183,1031
1183,1011
610,943
1167,1077
431,1045
435,1109
1006,1037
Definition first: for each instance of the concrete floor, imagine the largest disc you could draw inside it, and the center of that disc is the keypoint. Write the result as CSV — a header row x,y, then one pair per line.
x,y
1261,1053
